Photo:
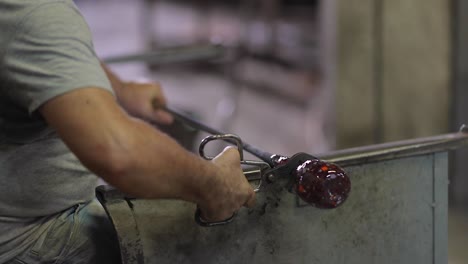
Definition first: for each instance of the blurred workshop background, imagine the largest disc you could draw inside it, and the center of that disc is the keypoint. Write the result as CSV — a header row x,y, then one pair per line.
x,y
303,75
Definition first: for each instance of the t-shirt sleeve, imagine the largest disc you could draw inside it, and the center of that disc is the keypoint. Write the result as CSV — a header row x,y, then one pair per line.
x,y
51,53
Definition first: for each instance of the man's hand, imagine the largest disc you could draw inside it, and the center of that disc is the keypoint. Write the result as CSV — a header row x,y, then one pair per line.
x,y
231,192
143,100
140,99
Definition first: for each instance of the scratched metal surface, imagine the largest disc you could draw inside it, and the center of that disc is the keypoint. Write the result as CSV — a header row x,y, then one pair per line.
x,y
396,213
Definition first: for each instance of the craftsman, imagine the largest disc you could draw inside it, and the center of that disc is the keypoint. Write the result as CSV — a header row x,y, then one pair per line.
x,y
64,118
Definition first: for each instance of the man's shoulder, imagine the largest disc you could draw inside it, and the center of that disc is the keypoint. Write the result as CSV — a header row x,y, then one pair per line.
x,y
14,9
15,5
14,13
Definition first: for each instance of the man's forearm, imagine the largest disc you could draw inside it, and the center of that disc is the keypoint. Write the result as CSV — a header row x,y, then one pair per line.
x,y
148,150
125,151
158,167
142,161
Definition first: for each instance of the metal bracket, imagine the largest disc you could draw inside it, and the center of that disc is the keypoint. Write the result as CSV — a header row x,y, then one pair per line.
x,y
119,209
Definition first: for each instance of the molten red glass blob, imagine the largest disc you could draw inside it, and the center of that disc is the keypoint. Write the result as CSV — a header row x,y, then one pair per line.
x,y
322,184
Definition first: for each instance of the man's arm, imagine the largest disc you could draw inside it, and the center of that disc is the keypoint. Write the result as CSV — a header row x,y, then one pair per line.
x,y
139,160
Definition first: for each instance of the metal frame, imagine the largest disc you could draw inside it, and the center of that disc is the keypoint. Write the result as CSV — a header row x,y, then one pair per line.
x,y
459,104
431,150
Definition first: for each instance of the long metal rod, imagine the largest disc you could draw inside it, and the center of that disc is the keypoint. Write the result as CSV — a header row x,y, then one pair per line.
x,y
399,149
180,54
263,155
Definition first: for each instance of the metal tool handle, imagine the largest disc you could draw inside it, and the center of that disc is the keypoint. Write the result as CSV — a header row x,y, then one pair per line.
x,y
238,142
260,165
199,219
227,137
263,155
201,151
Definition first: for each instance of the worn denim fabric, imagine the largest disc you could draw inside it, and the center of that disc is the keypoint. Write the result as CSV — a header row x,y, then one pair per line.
x,y
82,234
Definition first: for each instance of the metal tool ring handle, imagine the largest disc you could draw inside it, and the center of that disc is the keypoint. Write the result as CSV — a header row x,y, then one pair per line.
x,y
199,219
235,139
201,150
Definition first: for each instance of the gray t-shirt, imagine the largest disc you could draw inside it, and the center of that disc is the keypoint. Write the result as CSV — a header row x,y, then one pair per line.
x,y
45,50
